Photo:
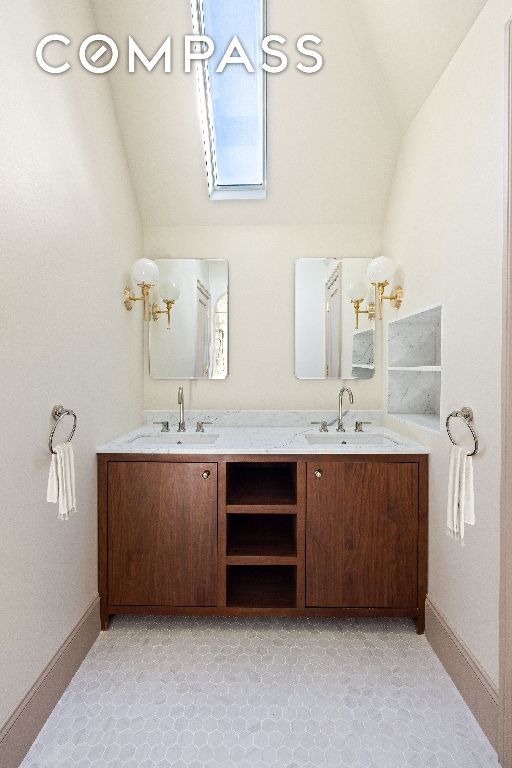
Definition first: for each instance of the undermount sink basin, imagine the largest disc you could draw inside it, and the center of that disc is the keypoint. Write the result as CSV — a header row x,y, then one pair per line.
x,y
177,438
347,439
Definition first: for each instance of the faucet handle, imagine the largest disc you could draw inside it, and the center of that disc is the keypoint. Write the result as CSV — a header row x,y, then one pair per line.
x,y
323,425
165,425
359,425
200,425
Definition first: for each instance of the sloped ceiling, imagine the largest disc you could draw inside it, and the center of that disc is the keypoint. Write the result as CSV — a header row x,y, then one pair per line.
x,y
332,136
411,42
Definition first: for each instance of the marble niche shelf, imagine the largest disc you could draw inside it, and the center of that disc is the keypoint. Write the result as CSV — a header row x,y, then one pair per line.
x,y
414,369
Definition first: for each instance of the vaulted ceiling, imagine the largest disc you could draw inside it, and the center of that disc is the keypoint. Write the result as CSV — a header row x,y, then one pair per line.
x,y
411,42
332,137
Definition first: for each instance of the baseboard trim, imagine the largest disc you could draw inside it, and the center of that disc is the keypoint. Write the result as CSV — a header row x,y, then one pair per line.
x,y
21,728
473,683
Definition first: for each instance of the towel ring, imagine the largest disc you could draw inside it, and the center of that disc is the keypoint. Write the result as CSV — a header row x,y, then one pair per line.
x,y
466,414
58,413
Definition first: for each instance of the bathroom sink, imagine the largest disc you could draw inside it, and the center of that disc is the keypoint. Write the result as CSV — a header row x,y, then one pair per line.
x,y
350,439
176,438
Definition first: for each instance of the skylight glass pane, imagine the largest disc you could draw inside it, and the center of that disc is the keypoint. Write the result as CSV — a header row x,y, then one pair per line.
x,y
235,98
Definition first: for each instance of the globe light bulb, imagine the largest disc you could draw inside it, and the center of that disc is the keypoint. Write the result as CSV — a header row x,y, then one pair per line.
x,y
168,291
356,290
381,270
145,271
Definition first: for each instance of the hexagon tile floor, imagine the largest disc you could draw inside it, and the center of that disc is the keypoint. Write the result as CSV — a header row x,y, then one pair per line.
x,y
283,693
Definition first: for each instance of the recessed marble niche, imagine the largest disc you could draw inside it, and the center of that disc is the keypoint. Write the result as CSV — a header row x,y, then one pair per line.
x,y
414,368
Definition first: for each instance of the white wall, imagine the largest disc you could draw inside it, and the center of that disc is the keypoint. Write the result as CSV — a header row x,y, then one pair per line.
x,y
445,227
69,230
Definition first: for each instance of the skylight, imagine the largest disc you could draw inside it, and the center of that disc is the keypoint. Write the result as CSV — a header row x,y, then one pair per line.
x,y
233,101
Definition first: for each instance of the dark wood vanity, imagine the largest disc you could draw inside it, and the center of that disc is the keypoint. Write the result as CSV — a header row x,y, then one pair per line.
x,y
309,535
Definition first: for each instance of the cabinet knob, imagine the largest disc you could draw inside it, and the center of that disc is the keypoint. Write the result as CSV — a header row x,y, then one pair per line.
x,y
318,473
206,474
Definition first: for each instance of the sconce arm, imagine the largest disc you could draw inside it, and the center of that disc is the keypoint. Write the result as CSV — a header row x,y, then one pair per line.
x,y
370,311
129,299
395,297
156,312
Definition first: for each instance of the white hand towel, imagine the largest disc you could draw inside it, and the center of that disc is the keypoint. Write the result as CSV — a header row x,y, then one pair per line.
x,y
61,480
52,492
453,491
460,509
469,498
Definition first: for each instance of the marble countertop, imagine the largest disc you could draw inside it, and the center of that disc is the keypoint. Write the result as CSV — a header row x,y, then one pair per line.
x,y
263,440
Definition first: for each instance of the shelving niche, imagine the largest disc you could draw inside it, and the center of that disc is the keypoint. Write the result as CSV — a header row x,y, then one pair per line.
x,y
263,535
261,484
261,586
264,529
414,368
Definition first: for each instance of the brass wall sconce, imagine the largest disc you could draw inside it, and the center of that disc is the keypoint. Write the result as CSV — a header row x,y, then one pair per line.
x,y
380,274
169,293
356,292
145,273
370,311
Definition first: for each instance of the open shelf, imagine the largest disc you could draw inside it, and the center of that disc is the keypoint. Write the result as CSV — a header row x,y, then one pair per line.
x,y
260,484
414,396
261,586
426,420
253,535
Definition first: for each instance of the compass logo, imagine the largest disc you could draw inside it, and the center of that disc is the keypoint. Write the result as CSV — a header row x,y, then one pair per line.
x,y
100,53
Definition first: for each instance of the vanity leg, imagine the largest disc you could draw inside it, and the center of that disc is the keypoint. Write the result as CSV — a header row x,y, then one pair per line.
x,y
104,620
420,621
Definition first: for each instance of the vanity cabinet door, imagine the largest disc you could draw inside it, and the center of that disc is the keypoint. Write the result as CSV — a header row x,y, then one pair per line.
x,y
362,534
162,533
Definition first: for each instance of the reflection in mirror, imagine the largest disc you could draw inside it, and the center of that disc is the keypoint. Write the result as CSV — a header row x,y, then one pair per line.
x,y
332,340
188,332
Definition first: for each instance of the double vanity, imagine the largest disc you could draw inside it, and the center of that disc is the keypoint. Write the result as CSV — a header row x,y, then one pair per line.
x,y
308,513
262,513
